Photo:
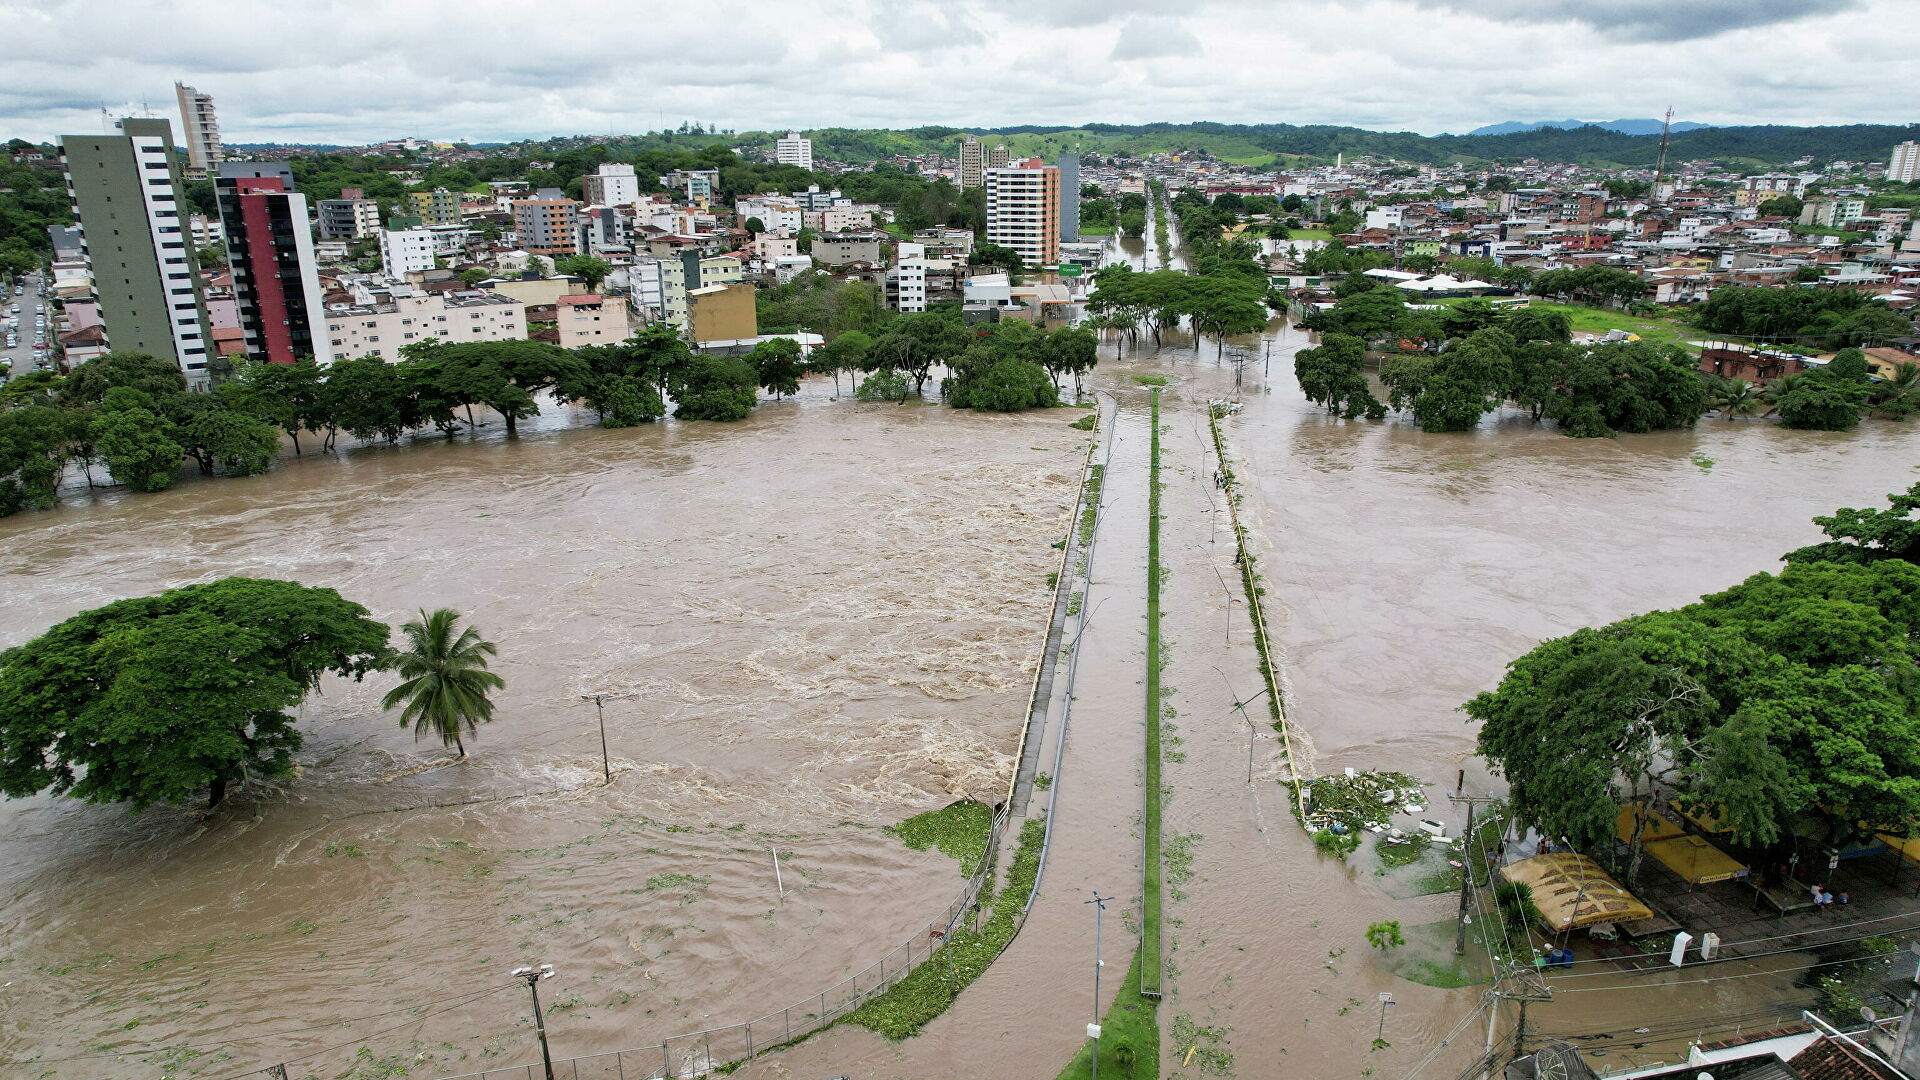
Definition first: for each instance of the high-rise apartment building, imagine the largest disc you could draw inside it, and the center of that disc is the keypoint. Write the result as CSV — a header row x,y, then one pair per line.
x,y
348,219
794,150
1023,211
199,130
436,207
546,224
276,282
999,157
1905,163
973,161
612,185
126,195
404,251
1069,198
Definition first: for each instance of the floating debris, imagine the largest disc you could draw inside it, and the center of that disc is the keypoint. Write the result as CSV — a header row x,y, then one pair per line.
x,y
1362,799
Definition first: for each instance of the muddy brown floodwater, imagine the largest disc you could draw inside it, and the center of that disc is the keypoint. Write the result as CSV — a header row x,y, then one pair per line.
x,y
808,625
1404,570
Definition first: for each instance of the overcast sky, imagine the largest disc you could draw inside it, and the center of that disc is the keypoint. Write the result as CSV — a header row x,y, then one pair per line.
x,y
347,71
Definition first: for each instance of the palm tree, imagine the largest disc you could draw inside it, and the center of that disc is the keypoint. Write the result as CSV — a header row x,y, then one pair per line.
x,y
1899,395
1736,396
446,678
1771,393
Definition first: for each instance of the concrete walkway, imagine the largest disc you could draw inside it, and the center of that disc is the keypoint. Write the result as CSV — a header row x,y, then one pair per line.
x,y
1027,1016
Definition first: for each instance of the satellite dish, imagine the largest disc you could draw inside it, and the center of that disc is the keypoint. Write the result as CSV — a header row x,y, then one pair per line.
x,y
1867,1014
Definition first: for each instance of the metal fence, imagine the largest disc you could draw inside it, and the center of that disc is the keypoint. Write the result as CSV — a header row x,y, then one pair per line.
x,y
699,1053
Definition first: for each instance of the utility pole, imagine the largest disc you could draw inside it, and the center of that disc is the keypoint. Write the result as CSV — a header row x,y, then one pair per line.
x,y
1093,1030
1660,170
1520,1029
1467,860
533,975
600,712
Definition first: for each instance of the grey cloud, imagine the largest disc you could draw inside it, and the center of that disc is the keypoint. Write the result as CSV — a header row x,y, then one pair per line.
x,y
1150,38
1082,14
918,27
1647,20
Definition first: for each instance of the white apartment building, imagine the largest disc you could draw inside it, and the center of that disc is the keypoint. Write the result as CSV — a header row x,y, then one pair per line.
x,y
1384,217
973,161
348,219
907,281
199,130
794,150
778,214
613,185
204,230
1904,166
403,251
383,329
1023,211
838,219
590,319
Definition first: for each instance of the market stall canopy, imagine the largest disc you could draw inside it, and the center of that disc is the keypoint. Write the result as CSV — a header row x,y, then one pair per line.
x,y
1696,861
1571,891
1657,826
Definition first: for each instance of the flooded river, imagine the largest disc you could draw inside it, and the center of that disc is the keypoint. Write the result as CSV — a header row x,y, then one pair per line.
x,y
807,625
810,625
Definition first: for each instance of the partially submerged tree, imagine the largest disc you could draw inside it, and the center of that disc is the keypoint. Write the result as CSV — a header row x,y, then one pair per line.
x,y
447,687
157,698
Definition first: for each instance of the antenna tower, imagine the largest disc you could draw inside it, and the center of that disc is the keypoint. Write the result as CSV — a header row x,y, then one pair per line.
x,y
1660,170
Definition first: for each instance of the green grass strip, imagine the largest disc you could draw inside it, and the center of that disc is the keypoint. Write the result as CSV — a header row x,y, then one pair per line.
x,y
959,830
1256,613
1129,1037
927,991
1150,876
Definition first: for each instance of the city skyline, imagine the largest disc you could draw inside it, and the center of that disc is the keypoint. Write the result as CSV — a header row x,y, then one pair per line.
x,y
326,76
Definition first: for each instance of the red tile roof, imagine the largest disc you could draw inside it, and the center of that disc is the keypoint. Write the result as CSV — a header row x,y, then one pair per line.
x,y
1836,1059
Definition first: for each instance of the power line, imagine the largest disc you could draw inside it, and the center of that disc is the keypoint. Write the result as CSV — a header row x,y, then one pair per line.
x,y
1485,1001
1755,956
1780,937
1720,978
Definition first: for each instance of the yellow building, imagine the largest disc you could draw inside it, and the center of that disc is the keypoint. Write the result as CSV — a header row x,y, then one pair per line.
x,y
722,313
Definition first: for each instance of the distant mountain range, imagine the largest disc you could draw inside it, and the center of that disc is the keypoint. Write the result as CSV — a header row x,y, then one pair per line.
x,y
1624,127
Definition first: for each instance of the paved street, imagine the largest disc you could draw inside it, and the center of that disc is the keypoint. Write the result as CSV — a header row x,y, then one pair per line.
x,y
22,327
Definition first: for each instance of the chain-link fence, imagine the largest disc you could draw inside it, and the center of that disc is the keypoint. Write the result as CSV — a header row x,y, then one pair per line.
x,y
699,1053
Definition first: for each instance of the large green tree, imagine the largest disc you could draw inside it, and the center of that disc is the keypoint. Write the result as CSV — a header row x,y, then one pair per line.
x,y
1865,536
154,699
715,388
138,446
1788,704
33,447
777,365
1333,375
986,380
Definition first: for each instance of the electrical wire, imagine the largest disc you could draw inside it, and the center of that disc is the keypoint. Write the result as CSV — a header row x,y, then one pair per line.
x,y
1697,982
1658,1031
1780,937
1556,980
1485,1000
255,1038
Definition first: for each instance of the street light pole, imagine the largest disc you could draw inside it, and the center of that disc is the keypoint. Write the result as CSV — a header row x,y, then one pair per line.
x,y
600,712
533,975
1099,905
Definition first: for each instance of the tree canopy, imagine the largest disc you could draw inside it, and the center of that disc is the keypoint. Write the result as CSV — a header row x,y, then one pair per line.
x,y
1788,704
154,699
